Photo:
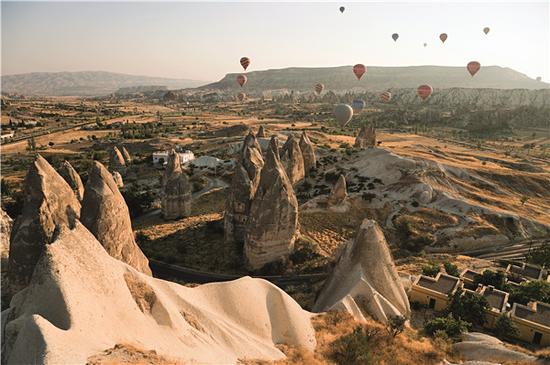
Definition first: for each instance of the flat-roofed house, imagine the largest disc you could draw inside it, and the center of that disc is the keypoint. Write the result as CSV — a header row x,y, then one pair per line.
x,y
498,302
533,322
434,292
526,271
468,277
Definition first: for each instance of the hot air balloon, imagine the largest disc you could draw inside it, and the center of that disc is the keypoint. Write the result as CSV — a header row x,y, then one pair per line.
x,y
245,62
473,67
343,113
424,91
443,37
425,44
242,79
386,96
342,9
486,30
241,96
395,36
359,70
539,78
358,105
319,88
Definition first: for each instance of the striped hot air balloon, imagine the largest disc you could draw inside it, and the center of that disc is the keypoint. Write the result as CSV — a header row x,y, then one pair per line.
x,y
386,96
241,96
473,67
245,62
359,70
241,80
424,91
319,88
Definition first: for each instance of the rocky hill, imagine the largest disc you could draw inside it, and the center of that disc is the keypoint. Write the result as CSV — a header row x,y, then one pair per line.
x,y
84,83
379,78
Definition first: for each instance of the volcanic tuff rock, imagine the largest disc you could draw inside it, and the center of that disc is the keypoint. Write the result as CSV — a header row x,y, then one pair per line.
x,y
116,160
5,230
126,155
272,226
251,141
106,215
308,153
243,188
365,279
72,178
339,192
292,160
261,132
118,179
176,190
81,301
49,203
366,137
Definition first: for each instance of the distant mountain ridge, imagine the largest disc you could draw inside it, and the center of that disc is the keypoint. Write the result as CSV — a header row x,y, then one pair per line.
x,y
84,83
379,78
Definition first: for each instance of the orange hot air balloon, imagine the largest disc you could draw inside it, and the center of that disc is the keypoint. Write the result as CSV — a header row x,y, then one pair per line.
x,y
359,70
443,37
319,88
245,62
386,96
486,30
242,79
424,91
241,96
473,67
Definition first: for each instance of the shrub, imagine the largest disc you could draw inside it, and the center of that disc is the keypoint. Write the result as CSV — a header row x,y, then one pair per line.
x,y
452,327
540,256
496,279
468,306
505,328
451,269
430,270
396,325
536,290
354,348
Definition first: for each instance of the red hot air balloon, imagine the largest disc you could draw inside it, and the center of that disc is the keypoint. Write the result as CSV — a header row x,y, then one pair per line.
x,y
443,37
245,62
359,70
473,67
241,96
319,88
242,79
386,96
394,36
424,91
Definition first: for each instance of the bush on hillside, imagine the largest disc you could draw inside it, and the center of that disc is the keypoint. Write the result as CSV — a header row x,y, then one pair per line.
x,y
452,327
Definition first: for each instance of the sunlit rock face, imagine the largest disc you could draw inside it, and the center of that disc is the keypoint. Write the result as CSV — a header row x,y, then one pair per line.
x,y
308,153
176,190
292,160
105,214
72,178
272,226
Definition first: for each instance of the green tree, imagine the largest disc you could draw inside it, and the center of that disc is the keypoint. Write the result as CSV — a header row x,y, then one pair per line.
x,y
396,325
451,326
468,306
536,290
540,256
451,269
31,144
496,279
430,269
505,328
353,349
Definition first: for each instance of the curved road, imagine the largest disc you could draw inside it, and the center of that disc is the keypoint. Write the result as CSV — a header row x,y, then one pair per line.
x,y
165,271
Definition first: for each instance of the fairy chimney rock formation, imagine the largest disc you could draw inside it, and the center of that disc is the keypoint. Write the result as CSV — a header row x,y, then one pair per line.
x,y
5,230
272,225
366,138
261,132
72,178
250,141
339,192
243,188
176,190
126,155
49,203
308,153
118,179
292,160
365,280
106,215
116,161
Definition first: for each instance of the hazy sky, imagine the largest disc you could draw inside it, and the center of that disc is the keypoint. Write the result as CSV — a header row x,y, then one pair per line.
x,y
204,40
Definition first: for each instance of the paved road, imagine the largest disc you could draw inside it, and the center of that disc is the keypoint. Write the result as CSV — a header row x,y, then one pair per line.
x,y
165,271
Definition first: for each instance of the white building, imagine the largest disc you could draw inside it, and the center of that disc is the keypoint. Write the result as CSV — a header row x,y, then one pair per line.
x,y
161,157
6,136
